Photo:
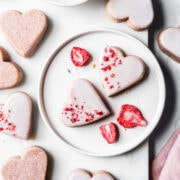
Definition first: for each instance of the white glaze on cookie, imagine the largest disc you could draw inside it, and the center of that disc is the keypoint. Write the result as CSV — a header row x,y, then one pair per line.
x,y
82,174
117,71
169,42
79,174
23,31
139,14
15,115
84,105
31,165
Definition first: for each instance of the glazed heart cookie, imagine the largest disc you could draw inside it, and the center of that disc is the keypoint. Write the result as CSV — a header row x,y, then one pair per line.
x,y
168,41
82,174
16,115
10,73
23,31
119,72
31,165
84,105
138,14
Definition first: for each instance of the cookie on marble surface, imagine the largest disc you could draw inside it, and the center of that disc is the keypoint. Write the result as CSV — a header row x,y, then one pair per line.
x,y
83,106
16,115
11,74
83,174
119,72
31,165
23,31
138,14
169,42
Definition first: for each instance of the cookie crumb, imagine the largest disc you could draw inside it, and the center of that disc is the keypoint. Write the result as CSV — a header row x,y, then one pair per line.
x,y
94,65
68,70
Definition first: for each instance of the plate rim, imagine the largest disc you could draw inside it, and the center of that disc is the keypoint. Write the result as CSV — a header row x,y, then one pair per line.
x,y
54,2
44,114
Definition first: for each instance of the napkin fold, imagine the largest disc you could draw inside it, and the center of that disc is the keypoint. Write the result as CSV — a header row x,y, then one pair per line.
x,y
166,166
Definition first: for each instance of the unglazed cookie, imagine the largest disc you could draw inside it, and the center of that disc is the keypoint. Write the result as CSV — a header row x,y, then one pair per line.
x,y
168,41
84,105
16,115
23,31
82,174
11,74
138,14
31,165
118,71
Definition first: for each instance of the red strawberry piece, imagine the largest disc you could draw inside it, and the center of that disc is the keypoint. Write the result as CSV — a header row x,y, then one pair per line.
x,y
109,132
130,116
79,56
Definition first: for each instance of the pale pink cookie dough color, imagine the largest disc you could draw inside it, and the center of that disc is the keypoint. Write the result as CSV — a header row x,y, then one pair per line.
x,y
139,14
23,31
117,71
11,74
16,115
83,174
83,106
31,165
169,42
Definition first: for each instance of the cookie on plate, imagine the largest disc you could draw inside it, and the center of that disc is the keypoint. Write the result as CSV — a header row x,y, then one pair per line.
x,y
31,165
83,106
23,31
83,174
168,41
11,74
16,115
119,72
138,14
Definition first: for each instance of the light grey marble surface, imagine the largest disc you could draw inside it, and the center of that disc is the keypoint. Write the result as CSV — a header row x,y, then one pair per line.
x,y
167,14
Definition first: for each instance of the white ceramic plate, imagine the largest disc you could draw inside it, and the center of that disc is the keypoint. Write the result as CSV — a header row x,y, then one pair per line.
x,y
148,96
66,2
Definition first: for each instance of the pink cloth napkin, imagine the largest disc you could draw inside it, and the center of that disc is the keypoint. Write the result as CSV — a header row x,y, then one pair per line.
x,y
166,166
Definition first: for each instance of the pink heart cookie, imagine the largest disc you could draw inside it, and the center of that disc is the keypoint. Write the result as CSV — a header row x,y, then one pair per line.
x,y
168,41
82,174
10,73
16,115
138,14
84,105
23,31
31,165
119,72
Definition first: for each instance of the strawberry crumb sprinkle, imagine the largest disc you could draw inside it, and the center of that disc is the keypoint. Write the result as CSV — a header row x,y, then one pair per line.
x,y
77,113
5,124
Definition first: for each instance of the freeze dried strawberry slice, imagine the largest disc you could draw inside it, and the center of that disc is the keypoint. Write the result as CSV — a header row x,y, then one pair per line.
x,y
109,132
79,56
130,116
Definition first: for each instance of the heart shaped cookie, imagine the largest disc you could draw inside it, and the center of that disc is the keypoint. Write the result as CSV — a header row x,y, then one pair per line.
x,y
119,72
138,14
82,174
23,31
84,105
10,73
16,115
168,41
30,166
